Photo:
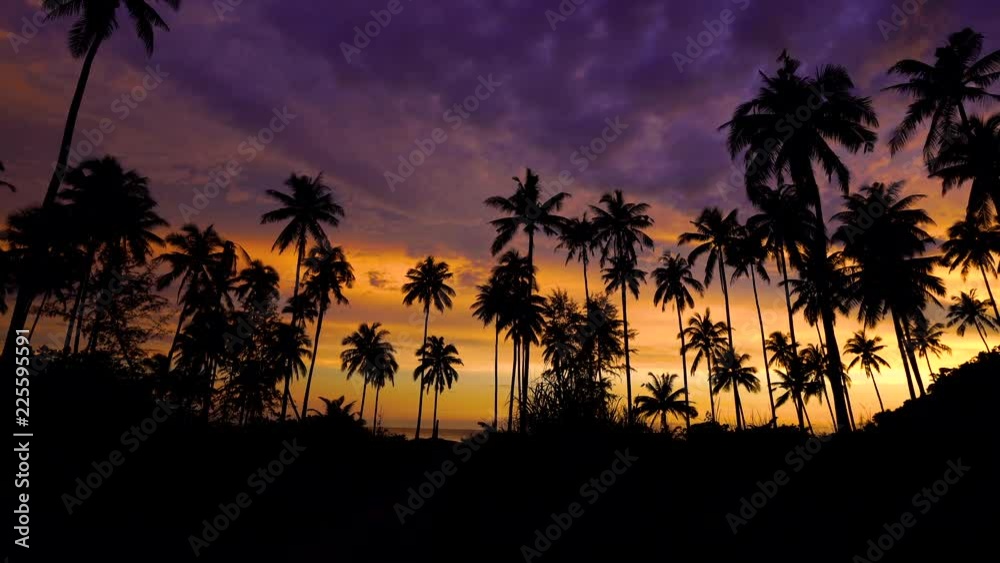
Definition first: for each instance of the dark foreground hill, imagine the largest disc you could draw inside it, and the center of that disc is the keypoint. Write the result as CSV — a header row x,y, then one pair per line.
x,y
919,486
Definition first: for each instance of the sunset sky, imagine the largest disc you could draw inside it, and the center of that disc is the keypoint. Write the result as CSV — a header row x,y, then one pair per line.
x,y
218,79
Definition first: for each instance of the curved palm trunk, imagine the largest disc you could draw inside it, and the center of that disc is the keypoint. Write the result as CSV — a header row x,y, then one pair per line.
x,y
930,371
586,286
295,295
913,358
628,367
805,411
738,406
982,335
496,375
434,432
847,397
725,294
76,316
420,404
684,363
364,393
378,390
902,354
996,311
41,309
877,394
763,344
312,362
177,333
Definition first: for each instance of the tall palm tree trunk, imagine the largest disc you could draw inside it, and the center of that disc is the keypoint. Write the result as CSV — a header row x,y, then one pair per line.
x,y
496,376
312,361
364,393
420,404
902,354
738,406
684,363
586,286
628,367
295,294
378,390
797,401
725,294
982,334
41,309
513,380
711,395
67,139
76,315
788,299
522,404
434,432
913,357
877,394
996,311
763,344
927,358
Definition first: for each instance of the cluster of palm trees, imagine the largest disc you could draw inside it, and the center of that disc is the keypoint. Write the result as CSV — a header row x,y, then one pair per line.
x,y
87,255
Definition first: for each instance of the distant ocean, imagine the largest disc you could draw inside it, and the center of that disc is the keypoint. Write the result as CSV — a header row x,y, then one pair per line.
x,y
454,434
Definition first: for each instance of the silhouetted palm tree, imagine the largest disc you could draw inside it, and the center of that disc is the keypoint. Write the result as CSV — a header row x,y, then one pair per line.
x,y
715,235
674,283
837,116
620,227
971,245
866,353
437,369
731,373
663,400
887,274
926,339
490,307
96,21
784,222
522,318
708,338
748,259
305,210
256,284
290,346
939,90
972,157
966,311
428,286
578,237
623,275
526,211
328,273
113,213
192,263
368,353
792,379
